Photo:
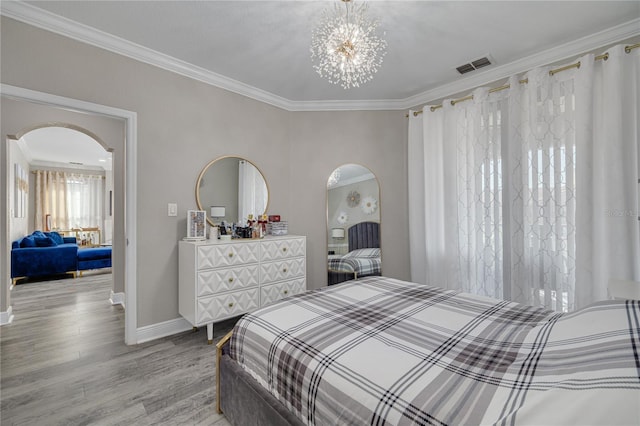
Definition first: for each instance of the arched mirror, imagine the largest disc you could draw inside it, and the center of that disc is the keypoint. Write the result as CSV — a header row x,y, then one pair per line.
x,y
353,224
229,189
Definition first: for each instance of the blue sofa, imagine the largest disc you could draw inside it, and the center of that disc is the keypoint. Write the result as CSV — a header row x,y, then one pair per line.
x,y
94,258
43,253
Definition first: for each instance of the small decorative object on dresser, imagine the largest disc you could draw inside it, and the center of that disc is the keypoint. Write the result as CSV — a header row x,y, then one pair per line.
x,y
223,279
196,225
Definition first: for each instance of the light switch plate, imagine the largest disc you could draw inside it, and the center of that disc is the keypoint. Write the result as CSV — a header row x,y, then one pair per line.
x,y
172,209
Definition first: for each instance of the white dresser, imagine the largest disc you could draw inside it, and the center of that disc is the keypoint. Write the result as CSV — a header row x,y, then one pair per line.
x,y
223,279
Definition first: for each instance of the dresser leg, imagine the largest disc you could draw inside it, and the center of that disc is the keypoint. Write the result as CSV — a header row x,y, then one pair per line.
x,y
210,333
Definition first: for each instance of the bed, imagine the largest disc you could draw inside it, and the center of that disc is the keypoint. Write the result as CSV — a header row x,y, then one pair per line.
x,y
363,258
388,352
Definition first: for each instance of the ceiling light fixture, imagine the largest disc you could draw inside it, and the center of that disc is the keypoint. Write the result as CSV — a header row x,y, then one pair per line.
x,y
345,46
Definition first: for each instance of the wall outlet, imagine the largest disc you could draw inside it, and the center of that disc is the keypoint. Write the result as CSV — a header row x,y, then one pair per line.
x,y
172,209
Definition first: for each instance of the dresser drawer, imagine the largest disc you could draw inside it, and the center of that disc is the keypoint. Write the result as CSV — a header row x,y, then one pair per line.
x,y
273,292
221,255
282,270
212,281
283,249
214,308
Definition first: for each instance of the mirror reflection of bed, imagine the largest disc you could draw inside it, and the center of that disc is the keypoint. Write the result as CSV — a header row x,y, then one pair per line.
x,y
363,258
353,224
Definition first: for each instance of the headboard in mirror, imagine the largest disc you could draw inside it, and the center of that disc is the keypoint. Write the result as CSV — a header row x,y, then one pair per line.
x,y
353,224
231,188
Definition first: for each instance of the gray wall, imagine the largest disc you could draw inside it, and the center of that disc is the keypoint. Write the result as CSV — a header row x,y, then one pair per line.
x,y
183,124
322,141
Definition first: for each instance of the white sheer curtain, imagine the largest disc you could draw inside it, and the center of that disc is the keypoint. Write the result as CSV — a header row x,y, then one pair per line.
x,y
73,200
531,193
51,199
85,196
252,191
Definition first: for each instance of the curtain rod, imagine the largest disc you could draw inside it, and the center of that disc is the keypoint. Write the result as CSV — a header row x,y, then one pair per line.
x,y
72,173
604,56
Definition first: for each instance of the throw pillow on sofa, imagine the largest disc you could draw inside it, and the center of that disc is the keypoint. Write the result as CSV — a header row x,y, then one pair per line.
x,y
55,237
38,234
28,241
45,242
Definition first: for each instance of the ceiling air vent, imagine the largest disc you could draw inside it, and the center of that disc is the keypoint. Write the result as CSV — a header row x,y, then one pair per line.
x,y
76,163
474,65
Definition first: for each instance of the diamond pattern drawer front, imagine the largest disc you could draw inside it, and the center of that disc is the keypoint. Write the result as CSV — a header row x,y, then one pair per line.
x,y
282,270
227,305
228,279
223,279
282,249
220,255
273,292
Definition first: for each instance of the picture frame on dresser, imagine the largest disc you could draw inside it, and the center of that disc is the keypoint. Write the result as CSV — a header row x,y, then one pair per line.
x,y
219,279
196,225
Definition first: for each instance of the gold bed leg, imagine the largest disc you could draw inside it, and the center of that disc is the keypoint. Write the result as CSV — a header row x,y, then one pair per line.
x,y
219,346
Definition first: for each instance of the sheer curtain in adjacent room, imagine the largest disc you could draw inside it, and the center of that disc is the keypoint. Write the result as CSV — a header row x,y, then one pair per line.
x,y
531,193
73,200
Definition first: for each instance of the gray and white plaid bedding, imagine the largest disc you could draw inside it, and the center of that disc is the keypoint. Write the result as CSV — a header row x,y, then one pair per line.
x,y
363,266
381,351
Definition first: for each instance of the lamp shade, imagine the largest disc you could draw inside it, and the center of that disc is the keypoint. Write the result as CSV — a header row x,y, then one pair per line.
x,y
217,211
337,233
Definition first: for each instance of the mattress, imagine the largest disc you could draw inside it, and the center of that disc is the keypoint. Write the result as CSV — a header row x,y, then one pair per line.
x,y
388,352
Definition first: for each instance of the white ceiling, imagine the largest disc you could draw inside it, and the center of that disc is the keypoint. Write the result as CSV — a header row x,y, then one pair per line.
x,y
59,145
261,48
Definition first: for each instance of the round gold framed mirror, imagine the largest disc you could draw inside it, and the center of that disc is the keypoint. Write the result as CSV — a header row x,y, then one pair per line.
x,y
229,189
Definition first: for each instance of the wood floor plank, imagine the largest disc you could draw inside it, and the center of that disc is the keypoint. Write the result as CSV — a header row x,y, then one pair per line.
x,y
63,361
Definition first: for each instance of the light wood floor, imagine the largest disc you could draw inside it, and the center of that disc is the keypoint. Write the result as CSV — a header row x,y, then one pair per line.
x,y
63,361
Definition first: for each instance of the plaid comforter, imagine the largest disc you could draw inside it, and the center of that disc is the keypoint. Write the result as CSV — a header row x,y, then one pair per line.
x,y
362,266
385,352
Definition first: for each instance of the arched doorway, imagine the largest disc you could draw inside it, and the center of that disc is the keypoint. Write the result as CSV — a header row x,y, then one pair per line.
x,y
71,189
124,179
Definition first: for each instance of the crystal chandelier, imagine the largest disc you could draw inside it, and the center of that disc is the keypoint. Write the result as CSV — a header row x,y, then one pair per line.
x,y
345,46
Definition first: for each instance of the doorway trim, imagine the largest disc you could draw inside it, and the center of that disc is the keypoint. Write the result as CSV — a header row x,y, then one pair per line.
x,y
130,162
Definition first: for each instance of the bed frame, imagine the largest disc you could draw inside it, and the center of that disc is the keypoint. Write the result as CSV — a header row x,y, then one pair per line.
x,y
361,235
241,399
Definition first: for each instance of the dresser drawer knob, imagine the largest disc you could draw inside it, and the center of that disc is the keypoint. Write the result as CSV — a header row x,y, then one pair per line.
x,y
231,305
286,292
230,254
284,269
231,280
284,249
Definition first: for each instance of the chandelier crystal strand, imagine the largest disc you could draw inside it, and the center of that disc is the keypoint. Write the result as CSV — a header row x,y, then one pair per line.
x,y
345,46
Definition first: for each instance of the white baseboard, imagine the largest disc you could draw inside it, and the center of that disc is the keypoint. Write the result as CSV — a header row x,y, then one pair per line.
x,y
117,298
162,329
6,317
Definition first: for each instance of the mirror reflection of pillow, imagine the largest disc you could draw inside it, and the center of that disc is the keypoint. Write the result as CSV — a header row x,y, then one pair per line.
x,y
364,252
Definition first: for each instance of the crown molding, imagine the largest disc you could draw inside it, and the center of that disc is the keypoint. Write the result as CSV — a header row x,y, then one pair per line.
x,y
48,21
